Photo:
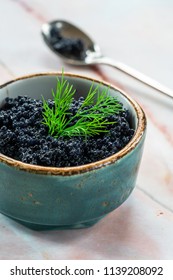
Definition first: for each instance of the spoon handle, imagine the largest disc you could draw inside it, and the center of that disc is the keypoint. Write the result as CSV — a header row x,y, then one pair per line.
x,y
136,74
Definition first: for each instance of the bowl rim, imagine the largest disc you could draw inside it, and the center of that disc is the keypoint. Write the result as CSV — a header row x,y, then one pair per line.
x,y
73,170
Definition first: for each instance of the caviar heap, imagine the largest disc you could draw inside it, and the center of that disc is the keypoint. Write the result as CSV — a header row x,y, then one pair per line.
x,y
25,137
71,47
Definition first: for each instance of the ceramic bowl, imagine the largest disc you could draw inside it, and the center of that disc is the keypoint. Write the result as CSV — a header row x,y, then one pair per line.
x,y
70,197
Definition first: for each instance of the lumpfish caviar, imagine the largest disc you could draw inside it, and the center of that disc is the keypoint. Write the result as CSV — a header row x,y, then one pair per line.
x,y
24,137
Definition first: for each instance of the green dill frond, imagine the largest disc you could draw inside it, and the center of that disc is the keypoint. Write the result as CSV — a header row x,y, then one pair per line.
x,y
89,120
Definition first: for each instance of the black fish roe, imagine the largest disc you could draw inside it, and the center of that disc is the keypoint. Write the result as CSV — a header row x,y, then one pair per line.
x,y
24,137
71,47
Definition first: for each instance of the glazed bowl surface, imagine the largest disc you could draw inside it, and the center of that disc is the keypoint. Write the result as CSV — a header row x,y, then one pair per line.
x,y
68,197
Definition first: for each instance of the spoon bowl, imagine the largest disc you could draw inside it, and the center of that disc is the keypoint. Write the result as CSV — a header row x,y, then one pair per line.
x,y
70,31
77,48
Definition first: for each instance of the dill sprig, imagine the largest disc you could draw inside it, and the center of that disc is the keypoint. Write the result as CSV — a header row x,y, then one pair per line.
x,y
55,118
91,117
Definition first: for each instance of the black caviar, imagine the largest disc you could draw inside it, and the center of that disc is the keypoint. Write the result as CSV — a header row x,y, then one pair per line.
x,y
71,47
24,137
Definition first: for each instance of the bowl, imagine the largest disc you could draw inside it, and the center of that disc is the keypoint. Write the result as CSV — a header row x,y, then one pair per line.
x,y
44,198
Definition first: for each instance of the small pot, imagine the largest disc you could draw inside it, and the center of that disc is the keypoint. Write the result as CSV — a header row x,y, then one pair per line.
x,y
68,197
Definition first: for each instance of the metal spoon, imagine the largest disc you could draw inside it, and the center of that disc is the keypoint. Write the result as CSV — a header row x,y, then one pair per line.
x,y
92,54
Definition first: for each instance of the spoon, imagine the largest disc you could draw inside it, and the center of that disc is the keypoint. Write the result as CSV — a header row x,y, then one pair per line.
x,y
53,33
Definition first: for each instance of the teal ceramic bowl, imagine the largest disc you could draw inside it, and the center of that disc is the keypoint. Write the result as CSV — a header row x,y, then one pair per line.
x,y
70,197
